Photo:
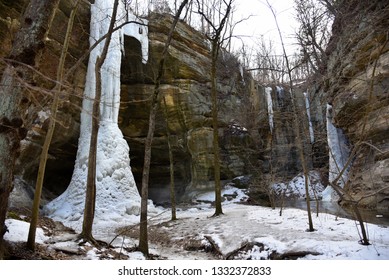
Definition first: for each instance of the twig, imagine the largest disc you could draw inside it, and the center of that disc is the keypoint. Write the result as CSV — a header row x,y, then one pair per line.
x,y
123,231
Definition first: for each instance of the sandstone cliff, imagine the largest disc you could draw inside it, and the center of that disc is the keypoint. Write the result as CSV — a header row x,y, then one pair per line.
x,y
185,109
186,92
356,83
64,144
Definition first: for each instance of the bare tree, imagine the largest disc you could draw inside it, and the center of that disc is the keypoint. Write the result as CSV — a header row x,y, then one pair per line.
x,y
217,23
171,160
270,67
90,198
331,5
296,118
45,149
143,235
314,31
27,45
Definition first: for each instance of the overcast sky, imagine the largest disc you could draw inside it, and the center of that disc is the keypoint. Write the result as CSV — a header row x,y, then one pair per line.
x,y
262,23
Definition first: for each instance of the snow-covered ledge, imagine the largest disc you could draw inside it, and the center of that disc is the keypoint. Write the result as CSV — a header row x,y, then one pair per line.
x,y
117,197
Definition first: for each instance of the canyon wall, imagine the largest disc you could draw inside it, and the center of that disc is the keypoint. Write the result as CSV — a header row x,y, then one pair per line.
x,y
184,117
356,82
185,107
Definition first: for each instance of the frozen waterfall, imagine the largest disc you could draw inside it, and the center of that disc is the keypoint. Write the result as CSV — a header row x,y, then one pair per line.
x,y
308,109
269,101
117,196
338,155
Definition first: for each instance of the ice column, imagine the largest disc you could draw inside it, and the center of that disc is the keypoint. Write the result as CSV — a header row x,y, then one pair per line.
x,y
269,102
117,196
308,108
242,73
338,155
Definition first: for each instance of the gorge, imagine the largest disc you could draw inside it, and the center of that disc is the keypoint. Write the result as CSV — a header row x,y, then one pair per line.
x,y
255,128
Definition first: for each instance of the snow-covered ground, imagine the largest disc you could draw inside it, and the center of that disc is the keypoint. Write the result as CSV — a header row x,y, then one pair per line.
x,y
296,186
262,227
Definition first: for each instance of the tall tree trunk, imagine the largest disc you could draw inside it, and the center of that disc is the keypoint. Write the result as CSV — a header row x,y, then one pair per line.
x,y
27,45
90,197
171,160
299,141
143,235
49,136
216,37
216,152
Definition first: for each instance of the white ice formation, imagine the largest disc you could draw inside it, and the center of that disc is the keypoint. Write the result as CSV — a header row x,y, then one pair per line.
x,y
269,101
308,109
117,196
338,156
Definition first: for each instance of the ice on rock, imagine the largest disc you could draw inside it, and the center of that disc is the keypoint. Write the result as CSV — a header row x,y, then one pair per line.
x,y
116,195
308,109
338,155
269,101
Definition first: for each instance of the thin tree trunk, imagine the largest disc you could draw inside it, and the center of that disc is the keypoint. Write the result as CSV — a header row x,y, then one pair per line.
x,y
143,235
348,198
171,160
90,198
216,152
49,136
27,45
299,141
216,38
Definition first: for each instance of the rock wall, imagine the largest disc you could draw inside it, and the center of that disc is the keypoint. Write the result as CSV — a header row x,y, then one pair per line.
x,y
356,82
185,110
185,107
65,138
278,148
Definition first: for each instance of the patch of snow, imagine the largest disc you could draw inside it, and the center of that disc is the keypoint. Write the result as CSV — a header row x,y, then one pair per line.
x,y
333,238
296,186
67,246
92,254
18,232
256,253
131,255
238,127
43,115
229,192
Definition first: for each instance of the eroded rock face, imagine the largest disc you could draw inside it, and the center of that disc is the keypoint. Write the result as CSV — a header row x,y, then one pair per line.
x,y
357,85
64,144
185,105
185,109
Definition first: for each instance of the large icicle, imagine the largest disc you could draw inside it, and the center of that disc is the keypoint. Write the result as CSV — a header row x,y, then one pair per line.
x,y
338,155
308,108
117,196
269,102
